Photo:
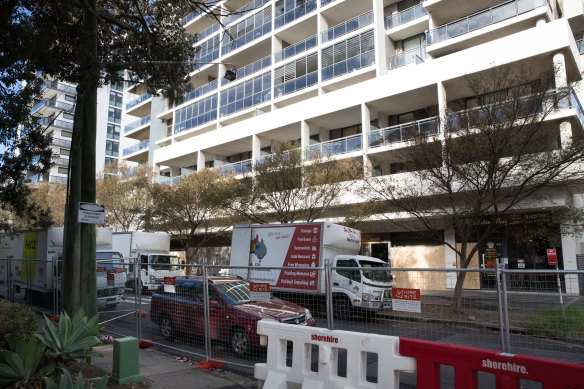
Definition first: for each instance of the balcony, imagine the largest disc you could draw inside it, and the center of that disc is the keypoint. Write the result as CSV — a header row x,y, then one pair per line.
x,y
339,146
235,168
207,32
252,68
325,2
60,161
57,87
203,90
403,132
61,143
347,27
58,180
416,56
47,106
580,45
140,106
241,12
136,148
289,14
405,16
482,19
50,122
248,30
295,49
137,124
169,180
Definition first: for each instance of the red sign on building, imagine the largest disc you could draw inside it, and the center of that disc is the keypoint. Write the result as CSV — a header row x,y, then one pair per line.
x,y
552,257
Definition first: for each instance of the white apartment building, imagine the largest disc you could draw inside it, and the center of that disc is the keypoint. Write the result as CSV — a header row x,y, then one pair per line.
x,y
56,107
339,75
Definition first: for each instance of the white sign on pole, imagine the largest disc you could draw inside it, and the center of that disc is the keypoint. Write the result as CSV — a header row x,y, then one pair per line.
x,y
91,213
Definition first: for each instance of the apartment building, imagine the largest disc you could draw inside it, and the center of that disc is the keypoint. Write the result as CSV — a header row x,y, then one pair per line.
x,y
347,77
56,107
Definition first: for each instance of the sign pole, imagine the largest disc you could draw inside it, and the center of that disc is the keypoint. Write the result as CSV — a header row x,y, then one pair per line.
x,y
560,291
552,257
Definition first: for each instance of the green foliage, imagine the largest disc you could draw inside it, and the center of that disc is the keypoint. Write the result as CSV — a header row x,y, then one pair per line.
x,y
552,323
22,364
66,382
71,340
15,321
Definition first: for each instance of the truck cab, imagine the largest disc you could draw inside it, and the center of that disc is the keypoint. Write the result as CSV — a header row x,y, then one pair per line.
x,y
111,278
155,266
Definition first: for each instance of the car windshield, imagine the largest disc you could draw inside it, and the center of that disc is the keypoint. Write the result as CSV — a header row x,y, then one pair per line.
x,y
375,271
162,262
112,264
236,292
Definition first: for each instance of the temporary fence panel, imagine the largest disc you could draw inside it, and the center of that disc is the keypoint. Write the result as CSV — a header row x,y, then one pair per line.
x,y
509,369
310,345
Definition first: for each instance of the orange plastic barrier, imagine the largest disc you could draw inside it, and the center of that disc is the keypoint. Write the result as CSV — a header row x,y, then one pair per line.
x,y
509,369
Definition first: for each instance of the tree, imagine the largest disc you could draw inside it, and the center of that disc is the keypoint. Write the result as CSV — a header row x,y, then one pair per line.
x,y
126,196
489,161
192,210
287,188
94,43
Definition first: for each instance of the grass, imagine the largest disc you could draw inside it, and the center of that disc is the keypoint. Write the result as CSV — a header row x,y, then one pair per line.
x,y
552,323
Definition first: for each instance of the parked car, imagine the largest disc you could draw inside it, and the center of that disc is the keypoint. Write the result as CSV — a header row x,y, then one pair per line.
x,y
233,316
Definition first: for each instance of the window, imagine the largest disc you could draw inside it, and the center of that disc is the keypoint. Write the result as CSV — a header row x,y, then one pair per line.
x,y
351,54
70,98
113,131
246,94
67,134
296,75
111,148
114,115
115,99
195,114
254,27
64,152
68,116
63,170
111,161
117,85
354,275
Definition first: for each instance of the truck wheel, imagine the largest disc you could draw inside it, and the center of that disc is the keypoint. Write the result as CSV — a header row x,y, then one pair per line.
x,y
240,342
166,327
342,307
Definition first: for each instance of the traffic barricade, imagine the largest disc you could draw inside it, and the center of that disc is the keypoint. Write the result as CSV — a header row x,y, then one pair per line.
x,y
508,369
276,373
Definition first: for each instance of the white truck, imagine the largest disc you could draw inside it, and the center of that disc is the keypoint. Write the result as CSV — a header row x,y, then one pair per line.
x,y
35,260
152,249
309,245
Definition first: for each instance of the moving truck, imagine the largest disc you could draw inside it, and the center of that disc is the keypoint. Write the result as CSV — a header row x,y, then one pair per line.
x,y
152,250
35,259
309,245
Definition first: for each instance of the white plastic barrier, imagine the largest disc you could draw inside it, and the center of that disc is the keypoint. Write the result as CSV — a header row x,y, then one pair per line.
x,y
276,375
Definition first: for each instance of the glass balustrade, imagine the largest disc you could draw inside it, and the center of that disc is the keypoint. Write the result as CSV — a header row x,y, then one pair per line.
x,y
295,49
482,19
207,32
403,132
138,100
347,27
241,12
288,11
334,147
203,90
416,55
136,124
405,16
135,148
250,69
235,168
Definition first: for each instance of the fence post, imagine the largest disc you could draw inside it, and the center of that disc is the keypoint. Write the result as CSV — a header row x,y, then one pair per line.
x,y
206,310
9,281
138,290
500,306
329,295
507,348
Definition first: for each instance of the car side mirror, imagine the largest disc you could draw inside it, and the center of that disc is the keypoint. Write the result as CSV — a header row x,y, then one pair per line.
x,y
214,305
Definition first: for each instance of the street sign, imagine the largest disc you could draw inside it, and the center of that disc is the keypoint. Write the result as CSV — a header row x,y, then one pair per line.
x,y
91,213
169,285
552,257
259,291
407,300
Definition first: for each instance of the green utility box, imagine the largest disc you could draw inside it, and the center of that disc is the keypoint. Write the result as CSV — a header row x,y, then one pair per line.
x,y
126,362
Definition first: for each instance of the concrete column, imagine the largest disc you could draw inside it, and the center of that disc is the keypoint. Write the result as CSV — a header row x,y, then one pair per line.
x,y
381,40
304,135
200,160
365,125
442,113
571,245
324,134
256,146
322,25
367,166
450,257
383,120
175,171
540,22
565,134
560,77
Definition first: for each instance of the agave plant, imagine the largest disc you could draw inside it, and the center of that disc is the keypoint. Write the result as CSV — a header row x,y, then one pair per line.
x,y
22,365
66,382
71,340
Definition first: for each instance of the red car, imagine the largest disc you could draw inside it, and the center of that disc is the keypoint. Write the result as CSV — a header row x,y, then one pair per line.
x,y
233,316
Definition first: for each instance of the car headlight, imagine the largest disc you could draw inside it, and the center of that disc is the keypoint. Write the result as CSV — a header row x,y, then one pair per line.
x,y
307,314
365,297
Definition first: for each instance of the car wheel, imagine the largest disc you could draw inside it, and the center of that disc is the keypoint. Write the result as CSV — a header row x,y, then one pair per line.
x,y
166,327
240,342
342,307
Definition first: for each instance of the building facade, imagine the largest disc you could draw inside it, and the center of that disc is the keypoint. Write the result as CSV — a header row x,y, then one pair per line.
x,y
348,77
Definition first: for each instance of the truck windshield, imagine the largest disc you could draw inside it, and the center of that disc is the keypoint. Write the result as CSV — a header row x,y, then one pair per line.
x,y
162,262
111,265
375,271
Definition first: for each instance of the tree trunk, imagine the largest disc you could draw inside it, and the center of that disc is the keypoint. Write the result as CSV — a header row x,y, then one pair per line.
x,y
457,302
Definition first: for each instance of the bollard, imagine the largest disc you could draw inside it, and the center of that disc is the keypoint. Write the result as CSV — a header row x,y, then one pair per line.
x,y
125,364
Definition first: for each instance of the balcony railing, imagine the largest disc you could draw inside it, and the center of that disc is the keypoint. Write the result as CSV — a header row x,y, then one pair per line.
x,y
137,123
296,48
203,90
169,180
60,161
267,157
235,168
207,32
482,19
580,45
192,15
405,16
241,12
325,2
575,103
294,13
335,147
62,143
69,89
250,69
59,105
347,27
135,148
403,132
416,55
59,180
46,121
138,100
296,84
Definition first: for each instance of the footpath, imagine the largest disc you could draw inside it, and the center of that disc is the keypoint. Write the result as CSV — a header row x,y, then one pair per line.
x,y
160,370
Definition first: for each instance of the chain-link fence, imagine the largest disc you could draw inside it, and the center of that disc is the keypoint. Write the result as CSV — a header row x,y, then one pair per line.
x,y
212,311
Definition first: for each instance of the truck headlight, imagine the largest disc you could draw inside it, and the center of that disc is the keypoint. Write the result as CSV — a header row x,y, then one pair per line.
x,y
307,314
152,279
365,297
